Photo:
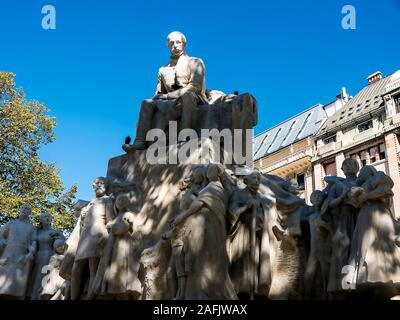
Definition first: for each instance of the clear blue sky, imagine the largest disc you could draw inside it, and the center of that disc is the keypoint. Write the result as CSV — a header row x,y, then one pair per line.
x,y
102,60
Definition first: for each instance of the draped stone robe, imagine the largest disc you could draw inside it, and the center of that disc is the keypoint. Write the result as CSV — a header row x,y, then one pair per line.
x,y
209,276
14,270
239,244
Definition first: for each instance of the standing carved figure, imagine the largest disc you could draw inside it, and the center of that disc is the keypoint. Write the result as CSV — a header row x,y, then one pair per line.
x,y
53,285
18,255
342,217
318,262
117,274
375,257
71,246
205,220
180,259
46,236
247,212
92,238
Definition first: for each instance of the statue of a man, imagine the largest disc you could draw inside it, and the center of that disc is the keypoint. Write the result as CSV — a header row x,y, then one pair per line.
x,y
247,213
19,238
93,236
180,88
342,216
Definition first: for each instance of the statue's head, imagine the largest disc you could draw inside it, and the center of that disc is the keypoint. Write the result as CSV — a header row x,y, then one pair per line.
x,y
199,174
25,211
350,167
252,181
186,200
59,246
214,171
100,185
45,219
317,198
123,201
365,173
176,42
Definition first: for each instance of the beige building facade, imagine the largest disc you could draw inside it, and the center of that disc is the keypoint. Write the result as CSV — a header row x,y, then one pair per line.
x,y
367,128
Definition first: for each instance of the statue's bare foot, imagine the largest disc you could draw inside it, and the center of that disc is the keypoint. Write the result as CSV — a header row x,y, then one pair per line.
x,y
397,241
179,294
179,297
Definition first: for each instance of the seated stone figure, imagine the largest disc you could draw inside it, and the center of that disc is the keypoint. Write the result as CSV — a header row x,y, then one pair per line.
x,y
180,87
181,95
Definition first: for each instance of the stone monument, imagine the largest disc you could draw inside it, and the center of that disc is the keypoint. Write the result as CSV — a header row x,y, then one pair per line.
x,y
181,96
208,229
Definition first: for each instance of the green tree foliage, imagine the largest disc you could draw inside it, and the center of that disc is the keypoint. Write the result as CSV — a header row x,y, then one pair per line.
x,y
25,126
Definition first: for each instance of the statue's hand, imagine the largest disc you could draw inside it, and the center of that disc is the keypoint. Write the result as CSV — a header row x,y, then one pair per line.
x,y
26,258
253,203
167,235
32,249
3,243
109,226
356,196
397,241
356,191
3,261
178,220
103,240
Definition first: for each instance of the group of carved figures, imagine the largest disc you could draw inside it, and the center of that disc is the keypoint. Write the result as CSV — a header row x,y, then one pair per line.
x,y
232,237
26,251
354,236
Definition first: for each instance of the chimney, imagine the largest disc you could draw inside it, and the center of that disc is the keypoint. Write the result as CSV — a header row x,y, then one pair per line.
x,y
374,77
343,95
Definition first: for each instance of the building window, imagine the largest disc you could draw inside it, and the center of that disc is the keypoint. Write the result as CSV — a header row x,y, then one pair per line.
x,y
373,153
303,126
330,169
382,151
301,181
330,139
273,141
363,158
365,126
261,144
289,131
397,102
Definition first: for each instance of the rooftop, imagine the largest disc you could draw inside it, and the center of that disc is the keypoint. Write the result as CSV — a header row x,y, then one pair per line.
x,y
366,101
286,133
